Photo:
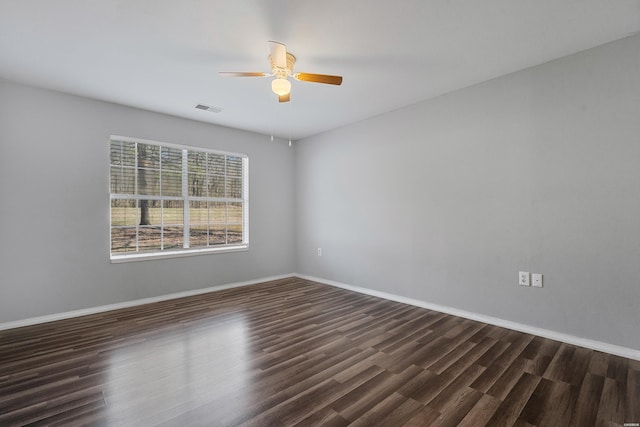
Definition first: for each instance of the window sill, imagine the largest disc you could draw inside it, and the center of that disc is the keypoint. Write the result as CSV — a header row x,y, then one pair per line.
x,y
119,259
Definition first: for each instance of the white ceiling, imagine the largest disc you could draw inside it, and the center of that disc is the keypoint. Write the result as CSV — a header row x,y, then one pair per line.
x,y
164,55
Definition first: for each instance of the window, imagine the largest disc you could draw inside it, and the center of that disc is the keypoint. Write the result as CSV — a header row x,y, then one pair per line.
x,y
173,200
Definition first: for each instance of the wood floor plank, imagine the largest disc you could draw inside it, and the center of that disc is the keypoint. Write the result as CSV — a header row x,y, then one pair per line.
x,y
586,409
612,402
559,368
457,408
382,410
481,412
295,352
560,405
617,368
599,364
501,363
509,411
505,383
324,417
459,386
633,395
423,417
401,414
369,394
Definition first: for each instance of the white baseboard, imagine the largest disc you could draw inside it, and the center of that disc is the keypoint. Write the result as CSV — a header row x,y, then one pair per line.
x,y
546,333
126,304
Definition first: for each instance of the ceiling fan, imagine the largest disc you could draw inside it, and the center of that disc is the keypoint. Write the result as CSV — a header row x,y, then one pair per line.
x,y
282,63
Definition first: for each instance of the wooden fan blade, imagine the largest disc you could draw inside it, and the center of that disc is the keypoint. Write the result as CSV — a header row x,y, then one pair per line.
x,y
284,98
318,78
278,54
241,74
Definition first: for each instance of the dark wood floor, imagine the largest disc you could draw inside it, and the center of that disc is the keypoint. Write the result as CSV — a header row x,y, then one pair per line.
x,y
293,352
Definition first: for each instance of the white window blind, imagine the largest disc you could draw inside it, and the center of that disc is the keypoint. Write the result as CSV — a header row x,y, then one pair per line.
x,y
170,200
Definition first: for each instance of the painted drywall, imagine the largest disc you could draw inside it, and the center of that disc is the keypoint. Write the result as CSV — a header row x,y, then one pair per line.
x,y
445,201
54,209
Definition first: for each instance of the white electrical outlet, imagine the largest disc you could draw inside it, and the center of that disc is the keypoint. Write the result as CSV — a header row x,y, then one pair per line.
x,y
536,280
319,251
523,278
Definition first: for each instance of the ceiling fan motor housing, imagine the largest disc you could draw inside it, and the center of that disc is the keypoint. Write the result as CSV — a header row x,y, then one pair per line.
x,y
280,72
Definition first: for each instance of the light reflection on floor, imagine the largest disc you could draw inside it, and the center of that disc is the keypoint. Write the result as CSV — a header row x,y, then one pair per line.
x,y
191,366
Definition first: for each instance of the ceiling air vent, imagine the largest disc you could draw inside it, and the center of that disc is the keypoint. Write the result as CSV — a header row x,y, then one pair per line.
x,y
208,108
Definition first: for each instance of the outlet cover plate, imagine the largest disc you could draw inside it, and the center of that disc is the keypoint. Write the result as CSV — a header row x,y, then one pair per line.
x,y
536,280
523,278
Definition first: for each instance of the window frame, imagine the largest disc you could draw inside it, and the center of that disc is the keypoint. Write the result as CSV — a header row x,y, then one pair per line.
x,y
185,198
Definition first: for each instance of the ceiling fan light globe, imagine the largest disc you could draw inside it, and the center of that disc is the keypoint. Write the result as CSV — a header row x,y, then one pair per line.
x,y
281,86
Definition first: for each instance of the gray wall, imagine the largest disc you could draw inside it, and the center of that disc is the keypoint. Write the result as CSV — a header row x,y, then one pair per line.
x,y
445,201
54,205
